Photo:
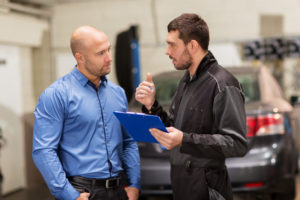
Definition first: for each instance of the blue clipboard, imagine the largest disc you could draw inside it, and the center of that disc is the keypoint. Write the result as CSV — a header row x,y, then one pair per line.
x,y
138,125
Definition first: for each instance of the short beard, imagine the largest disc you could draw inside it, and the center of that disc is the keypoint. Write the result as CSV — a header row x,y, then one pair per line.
x,y
188,63
95,72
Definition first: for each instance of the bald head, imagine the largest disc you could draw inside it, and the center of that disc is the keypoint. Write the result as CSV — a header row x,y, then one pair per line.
x,y
82,37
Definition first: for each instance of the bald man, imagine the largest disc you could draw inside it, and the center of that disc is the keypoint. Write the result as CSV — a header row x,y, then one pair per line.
x,y
80,148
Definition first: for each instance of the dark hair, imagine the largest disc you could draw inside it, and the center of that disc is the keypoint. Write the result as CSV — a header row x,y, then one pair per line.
x,y
191,27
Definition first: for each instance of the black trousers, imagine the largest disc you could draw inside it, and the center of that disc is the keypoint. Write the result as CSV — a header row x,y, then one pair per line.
x,y
197,183
98,191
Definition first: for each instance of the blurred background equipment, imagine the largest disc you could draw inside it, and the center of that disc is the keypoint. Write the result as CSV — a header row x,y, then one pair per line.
x,y
127,61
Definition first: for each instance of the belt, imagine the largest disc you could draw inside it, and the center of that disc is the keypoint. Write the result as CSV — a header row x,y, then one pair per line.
x,y
106,183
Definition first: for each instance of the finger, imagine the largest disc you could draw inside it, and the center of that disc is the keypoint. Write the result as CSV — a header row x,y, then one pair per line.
x,y
141,89
159,135
156,131
147,88
149,78
170,129
145,83
140,97
85,194
142,92
162,141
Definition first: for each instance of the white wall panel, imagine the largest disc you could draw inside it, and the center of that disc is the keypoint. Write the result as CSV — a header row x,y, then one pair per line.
x,y
109,16
11,109
21,29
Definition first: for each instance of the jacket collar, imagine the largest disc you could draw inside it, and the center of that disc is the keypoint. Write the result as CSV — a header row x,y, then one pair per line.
x,y
202,67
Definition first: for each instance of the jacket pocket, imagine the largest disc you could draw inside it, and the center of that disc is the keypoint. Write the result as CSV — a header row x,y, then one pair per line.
x,y
214,195
218,183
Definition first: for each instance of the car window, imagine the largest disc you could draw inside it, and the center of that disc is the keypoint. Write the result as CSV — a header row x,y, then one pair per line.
x,y
165,90
250,86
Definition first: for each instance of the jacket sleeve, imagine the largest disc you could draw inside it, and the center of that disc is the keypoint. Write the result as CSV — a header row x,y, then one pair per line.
x,y
229,136
157,109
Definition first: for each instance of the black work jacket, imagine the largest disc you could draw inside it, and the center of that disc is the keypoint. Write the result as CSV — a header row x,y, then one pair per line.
x,y
209,109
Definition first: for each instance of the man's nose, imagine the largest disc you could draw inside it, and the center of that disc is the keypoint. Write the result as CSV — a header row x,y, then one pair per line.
x,y
167,51
109,57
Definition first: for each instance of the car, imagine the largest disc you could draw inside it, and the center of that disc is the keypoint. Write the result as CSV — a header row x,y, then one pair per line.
x,y
269,168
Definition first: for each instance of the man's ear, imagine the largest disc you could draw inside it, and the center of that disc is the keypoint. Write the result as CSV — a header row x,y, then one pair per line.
x,y
193,46
79,57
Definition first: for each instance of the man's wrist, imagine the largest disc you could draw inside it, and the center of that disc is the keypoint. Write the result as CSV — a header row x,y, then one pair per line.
x,y
149,109
150,106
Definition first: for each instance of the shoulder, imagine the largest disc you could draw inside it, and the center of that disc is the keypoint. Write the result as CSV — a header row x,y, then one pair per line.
x,y
222,77
58,89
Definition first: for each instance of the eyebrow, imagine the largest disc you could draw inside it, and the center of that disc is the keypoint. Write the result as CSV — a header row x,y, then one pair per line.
x,y
169,42
103,50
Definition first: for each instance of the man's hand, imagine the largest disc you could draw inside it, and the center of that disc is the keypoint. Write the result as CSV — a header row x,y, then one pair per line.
x,y
83,196
132,193
145,92
169,140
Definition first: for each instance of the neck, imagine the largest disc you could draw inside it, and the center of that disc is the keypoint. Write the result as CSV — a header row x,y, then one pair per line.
x,y
94,79
197,58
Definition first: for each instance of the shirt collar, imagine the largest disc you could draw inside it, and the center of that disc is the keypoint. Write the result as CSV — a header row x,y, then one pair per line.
x,y
83,80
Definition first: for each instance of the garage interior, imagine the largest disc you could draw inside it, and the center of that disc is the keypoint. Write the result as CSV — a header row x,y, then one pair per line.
x,y
34,52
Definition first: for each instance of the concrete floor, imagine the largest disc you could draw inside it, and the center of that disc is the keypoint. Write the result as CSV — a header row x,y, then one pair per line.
x,y
42,193
38,193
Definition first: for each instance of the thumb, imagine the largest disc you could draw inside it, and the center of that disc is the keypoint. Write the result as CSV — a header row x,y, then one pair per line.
x,y
170,129
149,77
85,194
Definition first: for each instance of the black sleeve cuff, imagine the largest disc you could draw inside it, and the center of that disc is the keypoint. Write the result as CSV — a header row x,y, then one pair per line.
x,y
152,110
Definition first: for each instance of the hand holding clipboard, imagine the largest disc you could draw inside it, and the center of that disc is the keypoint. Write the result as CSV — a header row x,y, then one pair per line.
x,y
138,125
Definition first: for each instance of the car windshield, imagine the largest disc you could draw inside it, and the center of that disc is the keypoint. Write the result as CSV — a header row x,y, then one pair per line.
x,y
165,90
250,86
166,87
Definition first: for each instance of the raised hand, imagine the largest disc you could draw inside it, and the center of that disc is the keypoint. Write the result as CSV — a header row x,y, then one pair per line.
x,y
145,92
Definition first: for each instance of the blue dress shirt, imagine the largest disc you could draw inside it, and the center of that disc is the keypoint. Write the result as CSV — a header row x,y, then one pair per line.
x,y
76,134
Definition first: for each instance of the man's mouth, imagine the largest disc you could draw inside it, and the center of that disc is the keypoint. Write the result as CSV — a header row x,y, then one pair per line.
x,y
173,59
